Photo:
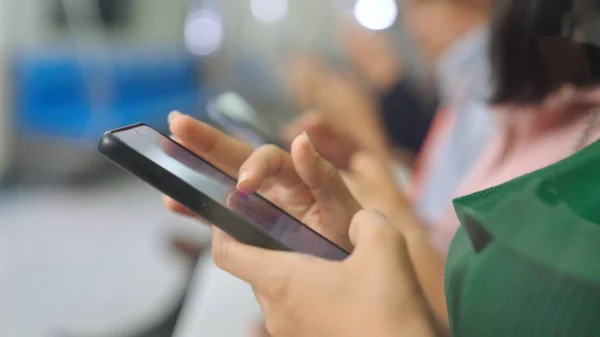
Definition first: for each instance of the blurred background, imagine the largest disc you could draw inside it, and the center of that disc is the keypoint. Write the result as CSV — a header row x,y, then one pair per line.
x,y
87,250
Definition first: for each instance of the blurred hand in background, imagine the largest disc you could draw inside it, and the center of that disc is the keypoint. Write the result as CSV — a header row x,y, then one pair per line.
x,y
343,118
343,114
332,143
372,55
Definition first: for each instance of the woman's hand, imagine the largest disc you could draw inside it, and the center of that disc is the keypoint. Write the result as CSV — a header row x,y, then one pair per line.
x,y
334,145
343,104
370,178
372,293
308,187
300,182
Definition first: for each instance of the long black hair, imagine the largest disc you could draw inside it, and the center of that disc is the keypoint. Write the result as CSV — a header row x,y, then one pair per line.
x,y
534,47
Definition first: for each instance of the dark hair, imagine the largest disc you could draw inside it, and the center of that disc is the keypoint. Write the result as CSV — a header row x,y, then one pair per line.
x,y
533,51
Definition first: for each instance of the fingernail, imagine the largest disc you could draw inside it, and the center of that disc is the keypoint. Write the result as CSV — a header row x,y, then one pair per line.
x,y
242,177
172,115
311,147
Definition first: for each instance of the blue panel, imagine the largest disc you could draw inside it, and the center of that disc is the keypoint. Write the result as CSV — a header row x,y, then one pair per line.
x,y
52,96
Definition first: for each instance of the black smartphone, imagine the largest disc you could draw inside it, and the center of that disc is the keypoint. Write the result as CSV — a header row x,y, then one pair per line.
x,y
211,193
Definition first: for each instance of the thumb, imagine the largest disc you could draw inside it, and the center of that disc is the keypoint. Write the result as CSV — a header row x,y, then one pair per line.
x,y
375,239
381,254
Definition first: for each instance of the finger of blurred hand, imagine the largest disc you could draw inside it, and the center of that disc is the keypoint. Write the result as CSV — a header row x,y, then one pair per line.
x,y
332,144
304,73
359,43
320,88
225,152
300,124
340,98
373,55
369,166
268,161
342,102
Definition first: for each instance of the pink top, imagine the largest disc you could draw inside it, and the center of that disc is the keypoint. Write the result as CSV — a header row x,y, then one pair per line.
x,y
526,139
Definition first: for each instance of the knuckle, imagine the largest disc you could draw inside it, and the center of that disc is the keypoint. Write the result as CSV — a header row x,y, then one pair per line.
x,y
280,289
270,156
261,153
362,216
382,227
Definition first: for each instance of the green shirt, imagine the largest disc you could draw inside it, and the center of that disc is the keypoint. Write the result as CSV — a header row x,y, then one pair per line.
x,y
526,260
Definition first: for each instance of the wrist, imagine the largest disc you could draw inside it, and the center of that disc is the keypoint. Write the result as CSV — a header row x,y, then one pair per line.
x,y
400,214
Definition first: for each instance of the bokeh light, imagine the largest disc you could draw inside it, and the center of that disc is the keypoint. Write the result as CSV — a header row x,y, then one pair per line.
x,y
376,14
269,11
203,32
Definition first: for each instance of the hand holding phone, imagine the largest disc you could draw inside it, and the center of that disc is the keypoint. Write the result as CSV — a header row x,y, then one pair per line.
x,y
211,193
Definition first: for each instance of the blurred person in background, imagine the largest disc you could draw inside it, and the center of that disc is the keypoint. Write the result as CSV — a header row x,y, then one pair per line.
x,y
377,63
452,35
375,105
546,100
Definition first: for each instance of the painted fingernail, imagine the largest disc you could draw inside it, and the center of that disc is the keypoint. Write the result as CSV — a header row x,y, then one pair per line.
x,y
172,115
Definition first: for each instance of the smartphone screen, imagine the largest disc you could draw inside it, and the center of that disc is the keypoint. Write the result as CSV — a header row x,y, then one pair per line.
x,y
222,189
